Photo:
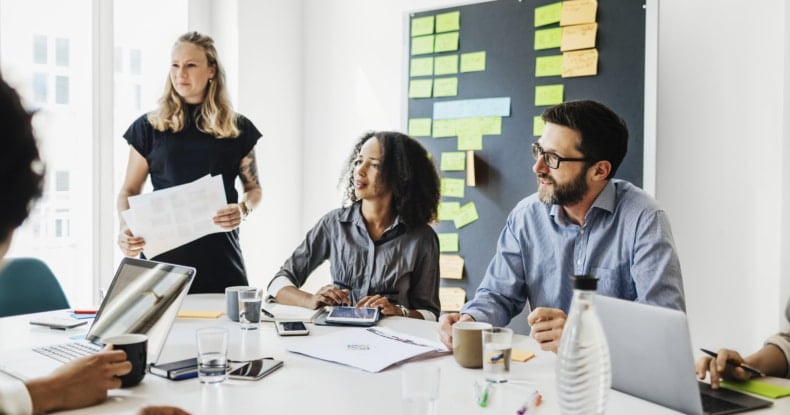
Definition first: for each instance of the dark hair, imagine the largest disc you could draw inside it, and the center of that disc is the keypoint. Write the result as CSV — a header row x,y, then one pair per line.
x,y
21,171
407,171
604,135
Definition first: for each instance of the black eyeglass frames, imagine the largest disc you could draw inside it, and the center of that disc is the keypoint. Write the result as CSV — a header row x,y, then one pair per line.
x,y
552,159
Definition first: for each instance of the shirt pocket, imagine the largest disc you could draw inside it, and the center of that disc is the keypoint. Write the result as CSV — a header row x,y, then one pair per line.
x,y
615,283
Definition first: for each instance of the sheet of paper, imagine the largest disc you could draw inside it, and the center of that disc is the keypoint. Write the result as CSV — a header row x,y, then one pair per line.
x,y
547,14
548,65
445,87
466,215
578,37
445,65
471,172
451,187
465,108
421,67
451,298
422,26
447,22
448,210
473,61
451,266
420,127
580,63
549,94
171,217
578,12
448,242
284,312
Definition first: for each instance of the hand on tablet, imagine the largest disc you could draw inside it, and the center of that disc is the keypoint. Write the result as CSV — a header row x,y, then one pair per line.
x,y
329,295
380,302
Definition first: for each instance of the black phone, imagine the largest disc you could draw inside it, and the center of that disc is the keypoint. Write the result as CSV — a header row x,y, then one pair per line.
x,y
291,328
255,369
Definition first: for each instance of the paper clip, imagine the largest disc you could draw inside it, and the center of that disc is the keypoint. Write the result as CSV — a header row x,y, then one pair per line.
x,y
533,401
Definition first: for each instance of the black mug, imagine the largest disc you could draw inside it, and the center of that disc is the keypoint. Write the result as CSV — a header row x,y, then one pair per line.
x,y
136,348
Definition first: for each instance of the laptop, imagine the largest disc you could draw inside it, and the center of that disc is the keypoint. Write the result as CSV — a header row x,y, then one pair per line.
x,y
651,354
144,297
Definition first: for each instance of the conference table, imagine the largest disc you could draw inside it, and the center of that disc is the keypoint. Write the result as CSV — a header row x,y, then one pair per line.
x,y
305,385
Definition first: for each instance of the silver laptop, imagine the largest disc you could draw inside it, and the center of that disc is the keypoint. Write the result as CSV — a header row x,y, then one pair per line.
x,y
651,354
144,297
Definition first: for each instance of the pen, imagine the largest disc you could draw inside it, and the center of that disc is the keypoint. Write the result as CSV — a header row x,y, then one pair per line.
x,y
84,311
267,313
745,367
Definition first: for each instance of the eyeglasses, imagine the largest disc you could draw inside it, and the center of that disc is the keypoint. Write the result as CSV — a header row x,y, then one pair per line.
x,y
552,159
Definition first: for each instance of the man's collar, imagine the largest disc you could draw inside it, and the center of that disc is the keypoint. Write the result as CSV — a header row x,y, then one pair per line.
x,y
605,200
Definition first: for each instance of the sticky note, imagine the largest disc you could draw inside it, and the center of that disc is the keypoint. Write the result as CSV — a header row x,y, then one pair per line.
x,y
448,210
545,38
453,161
580,63
758,387
421,67
578,12
445,65
422,45
578,37
537,126
448,242
422,26
451,266
452,187
548,94
451,298
466,215
444,128
199,314
470,141
473,61
465,108
548,65
447,22
520,355
420,127
420,88
445,87
446,42
490,125
547,14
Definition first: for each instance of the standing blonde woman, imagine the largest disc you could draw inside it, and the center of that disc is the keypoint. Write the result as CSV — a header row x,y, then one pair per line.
x,y
195,132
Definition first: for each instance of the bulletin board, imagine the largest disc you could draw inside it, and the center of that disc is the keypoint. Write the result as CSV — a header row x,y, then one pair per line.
x,y
479,77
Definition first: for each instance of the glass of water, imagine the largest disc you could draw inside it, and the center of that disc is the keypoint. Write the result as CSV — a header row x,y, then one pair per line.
x,y
420,388
212,345
497,344
250,308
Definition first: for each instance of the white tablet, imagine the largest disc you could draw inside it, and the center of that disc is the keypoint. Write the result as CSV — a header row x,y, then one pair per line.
x,y
362,316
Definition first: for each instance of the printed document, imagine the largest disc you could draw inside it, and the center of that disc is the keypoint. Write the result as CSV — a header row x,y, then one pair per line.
x,y
169,218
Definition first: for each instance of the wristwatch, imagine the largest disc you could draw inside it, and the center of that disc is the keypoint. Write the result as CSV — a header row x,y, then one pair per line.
x,y
245,210
404,310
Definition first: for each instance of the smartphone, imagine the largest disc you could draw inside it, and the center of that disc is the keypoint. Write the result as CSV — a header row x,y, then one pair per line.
x,y
291,328
57,322
255,369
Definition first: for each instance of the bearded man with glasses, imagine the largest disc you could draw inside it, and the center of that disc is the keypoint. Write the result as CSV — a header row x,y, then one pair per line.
x,y
581,221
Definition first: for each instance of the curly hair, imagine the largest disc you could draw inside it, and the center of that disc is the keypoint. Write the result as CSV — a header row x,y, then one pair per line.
x,y
215,115
406,170
20,165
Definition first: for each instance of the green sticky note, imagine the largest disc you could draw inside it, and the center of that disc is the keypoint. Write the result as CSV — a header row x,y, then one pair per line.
x,y
473,61
447,210
444,128
544,15
421,67
548,94
452,187
544,38
467,126
446,42
422,26
453,161
537,126
445,65
757,387
422,45
548,65
448,242
445,87
470,142
420,127
447,22
420,88
466,215
491,125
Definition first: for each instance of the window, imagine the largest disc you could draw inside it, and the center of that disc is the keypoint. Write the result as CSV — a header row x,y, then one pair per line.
x,y
62,181
61,90
135,62
40,88
61,52
40,49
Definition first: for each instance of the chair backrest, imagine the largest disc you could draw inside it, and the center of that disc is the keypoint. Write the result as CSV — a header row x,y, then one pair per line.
x,y
27,285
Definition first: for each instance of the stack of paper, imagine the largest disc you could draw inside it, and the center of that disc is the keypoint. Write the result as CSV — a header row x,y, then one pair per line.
x,y
283,312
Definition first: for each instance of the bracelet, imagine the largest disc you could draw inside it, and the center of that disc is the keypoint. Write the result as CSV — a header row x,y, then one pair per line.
x,y
245,210
404,310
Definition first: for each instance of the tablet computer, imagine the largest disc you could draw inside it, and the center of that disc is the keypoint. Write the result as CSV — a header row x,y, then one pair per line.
x,y
363,316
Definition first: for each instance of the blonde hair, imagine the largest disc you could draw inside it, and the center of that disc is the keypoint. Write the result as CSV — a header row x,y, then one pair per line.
x,y
215,115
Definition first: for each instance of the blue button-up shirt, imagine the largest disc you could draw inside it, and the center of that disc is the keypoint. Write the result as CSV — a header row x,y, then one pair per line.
x,y
626,242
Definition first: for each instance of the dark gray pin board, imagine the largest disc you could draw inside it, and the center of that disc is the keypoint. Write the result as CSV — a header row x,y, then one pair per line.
x,y
505,30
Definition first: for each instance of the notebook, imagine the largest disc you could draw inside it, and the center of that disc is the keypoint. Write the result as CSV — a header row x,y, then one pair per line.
x,y
651,355
144,297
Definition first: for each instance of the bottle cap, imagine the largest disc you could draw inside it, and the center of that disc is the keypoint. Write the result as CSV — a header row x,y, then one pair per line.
x,y
585,282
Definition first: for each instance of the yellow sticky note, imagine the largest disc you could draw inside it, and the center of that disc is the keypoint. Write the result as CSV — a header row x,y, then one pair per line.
x,y
421,26
453,161
421,67
578,37
548,65
199,314
420,127
445,65
537,126
422,45
420,88
580,63
466,215
447,22
547,14
520,355
444,128
445,87
451,266
491,125
451,298
446,42
473,61
470,142
448,242
468,126
549,94
546,38
578,12
452,187
448,210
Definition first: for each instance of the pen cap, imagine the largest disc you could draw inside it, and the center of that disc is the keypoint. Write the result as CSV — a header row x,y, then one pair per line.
x,y
585,282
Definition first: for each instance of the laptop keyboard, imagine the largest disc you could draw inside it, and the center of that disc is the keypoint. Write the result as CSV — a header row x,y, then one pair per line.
x,y
712,404
67,352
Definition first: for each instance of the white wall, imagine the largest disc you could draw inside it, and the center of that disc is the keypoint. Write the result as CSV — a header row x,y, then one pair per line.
x,y
315,74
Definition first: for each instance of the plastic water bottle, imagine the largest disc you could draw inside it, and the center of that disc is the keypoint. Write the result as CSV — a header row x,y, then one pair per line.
x,y
583,368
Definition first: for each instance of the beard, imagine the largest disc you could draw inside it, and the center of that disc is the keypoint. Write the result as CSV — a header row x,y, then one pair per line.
x,y
563,194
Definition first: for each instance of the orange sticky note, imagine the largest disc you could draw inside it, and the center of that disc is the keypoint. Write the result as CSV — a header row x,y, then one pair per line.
x,y
199,314
520,355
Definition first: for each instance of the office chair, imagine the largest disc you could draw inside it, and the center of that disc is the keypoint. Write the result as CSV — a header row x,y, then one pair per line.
x,y
27,285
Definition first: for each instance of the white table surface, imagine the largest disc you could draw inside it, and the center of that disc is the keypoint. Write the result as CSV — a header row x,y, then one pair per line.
x,y
310,386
